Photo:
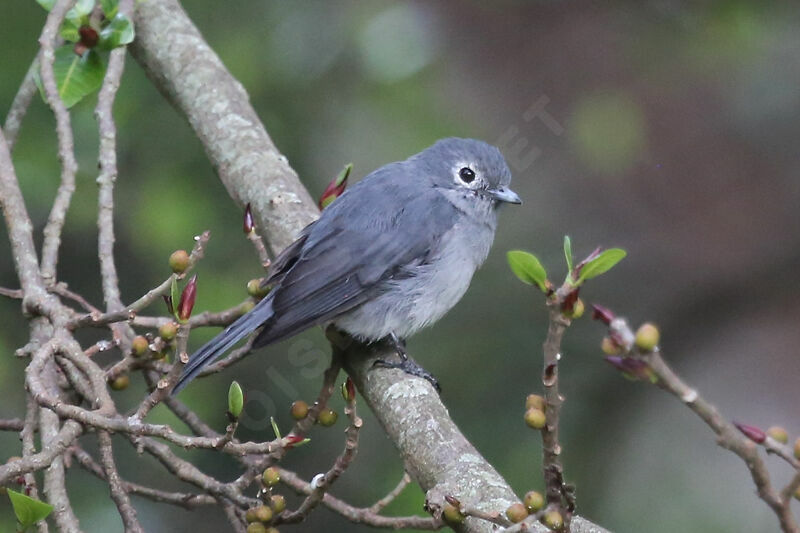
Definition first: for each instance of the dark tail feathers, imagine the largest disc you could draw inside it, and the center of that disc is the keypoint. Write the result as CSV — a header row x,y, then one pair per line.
x,y
224,341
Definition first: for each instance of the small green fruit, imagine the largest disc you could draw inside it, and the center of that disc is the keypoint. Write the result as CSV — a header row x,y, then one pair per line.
x,y
610,347
779,434
534,501
534,400
179,261
247,306
327,417
553,520
271,477
517,512
797,449
263,513
120,382
256,527
272,530
255,289
535,418
647,337
139,346
250,515
168,331
452,514
299,410
278,503
577,310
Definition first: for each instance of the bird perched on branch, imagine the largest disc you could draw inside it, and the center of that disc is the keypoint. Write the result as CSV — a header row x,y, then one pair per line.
x,y
390,256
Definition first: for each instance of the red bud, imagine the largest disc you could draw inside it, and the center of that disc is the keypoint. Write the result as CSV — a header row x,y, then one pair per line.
x,y
349,390
634,368
569,301
89,36
187,299
336,187
291,440
452,501
248,224
753,433
602,314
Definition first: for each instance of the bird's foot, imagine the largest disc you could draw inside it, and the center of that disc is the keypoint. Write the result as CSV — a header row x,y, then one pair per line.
x,y
410,367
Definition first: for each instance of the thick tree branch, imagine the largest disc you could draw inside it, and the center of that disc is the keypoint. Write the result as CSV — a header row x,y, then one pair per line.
x,y
182,65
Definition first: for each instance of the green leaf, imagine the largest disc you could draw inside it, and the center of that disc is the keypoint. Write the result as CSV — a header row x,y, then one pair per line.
x,y
77,76
174,296
119,32
568,252
601,264
47,4
527,268
69,31
110,8
79,14
275,427
344,174
235,399
28,510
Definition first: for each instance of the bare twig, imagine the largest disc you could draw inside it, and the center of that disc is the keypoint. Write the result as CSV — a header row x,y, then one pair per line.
x,y
362,515
19,106
66,149
379,505
118,492
181,499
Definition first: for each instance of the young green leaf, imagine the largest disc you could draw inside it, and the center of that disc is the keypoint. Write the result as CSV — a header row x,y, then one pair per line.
x,y
77,76
110,8
527,268
47,4
568,252
601,264
174,296
235,399
119,32
28,510
79,13
275,427
69,31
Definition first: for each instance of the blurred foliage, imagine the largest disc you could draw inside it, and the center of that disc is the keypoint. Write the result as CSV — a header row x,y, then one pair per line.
x,y
680,122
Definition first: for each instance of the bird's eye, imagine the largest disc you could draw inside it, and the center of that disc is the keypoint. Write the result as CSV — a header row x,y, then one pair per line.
x,y
466,174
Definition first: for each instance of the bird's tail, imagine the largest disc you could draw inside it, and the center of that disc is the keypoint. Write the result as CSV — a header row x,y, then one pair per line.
x,y
224,341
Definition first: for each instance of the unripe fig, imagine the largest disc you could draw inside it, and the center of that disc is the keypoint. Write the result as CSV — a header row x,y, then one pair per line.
x,y
779,434
610,347
271,476
278,503
299,409
797,449
168,331
553,520
534,400
256,527
534,501
327,417
120,382
452,514
647,337
139,346
179,261
517,512
535,418
263,513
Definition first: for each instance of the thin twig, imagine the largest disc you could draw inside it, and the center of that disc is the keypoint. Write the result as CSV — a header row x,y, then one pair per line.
x,y
66,148
322,482
361,515
20,104
379,505
118,492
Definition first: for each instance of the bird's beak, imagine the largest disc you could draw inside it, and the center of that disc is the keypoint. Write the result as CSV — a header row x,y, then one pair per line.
x,y
502,194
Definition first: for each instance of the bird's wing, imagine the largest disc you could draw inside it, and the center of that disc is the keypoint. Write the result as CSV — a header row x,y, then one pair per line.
x,y
345,257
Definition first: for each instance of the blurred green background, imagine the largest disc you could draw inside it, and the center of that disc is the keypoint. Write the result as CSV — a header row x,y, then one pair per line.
x,y
669,128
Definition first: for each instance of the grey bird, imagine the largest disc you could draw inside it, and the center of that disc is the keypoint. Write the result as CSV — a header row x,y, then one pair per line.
x,y
391,255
